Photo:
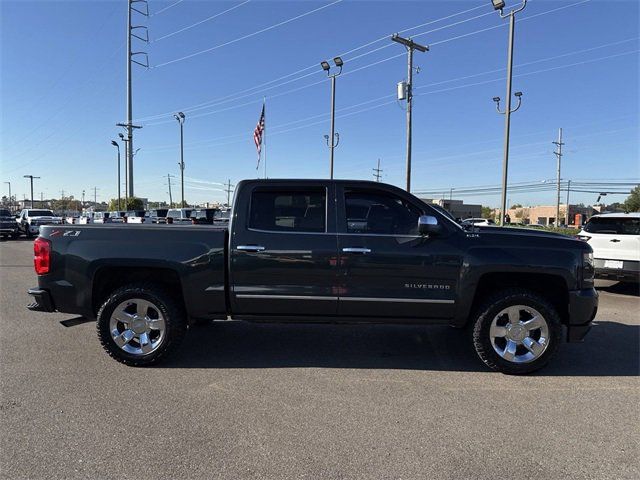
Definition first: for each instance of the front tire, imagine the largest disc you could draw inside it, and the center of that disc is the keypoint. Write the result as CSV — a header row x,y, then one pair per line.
x,y
516,331
140,324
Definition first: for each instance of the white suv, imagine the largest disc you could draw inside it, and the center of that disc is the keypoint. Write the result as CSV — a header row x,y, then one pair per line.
x,y
615,239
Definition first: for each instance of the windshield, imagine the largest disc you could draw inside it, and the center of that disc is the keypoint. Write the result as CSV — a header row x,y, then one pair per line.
x,y
5,213
40,213
614,225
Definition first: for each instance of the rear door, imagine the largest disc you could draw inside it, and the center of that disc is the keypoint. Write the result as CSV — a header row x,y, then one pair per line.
x,y
284,250
386,268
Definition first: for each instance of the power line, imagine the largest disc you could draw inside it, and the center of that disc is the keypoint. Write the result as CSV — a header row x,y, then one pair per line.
x,y
237,96
377,172
234,96
201,21
244,37
203,142
167,8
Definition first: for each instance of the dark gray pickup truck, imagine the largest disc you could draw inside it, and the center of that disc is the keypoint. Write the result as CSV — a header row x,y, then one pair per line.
x,y
321,251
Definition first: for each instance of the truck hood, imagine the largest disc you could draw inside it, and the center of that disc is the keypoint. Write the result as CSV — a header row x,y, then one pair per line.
x,y
524,236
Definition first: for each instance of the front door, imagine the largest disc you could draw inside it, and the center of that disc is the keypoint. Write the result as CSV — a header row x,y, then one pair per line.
x,y
387,269
284,258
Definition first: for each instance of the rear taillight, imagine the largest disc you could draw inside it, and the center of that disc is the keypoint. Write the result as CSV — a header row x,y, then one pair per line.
x,y
41,255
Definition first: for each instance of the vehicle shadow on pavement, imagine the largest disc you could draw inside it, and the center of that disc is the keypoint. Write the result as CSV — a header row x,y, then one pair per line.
x,y
611,349
620,288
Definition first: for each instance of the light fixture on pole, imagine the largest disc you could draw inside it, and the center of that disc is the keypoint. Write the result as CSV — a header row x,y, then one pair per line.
x,y
180,118
333,139
406,91
115,144
499,5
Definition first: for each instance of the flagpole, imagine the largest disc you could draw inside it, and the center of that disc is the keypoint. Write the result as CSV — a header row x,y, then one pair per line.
x,y
264,135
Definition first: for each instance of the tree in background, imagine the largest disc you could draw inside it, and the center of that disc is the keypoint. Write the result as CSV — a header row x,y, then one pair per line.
x,y
516,205
132,203
65,205
632,203
487,212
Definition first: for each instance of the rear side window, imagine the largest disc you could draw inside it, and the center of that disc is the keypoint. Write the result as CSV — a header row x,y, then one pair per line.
x,y
288,210
5,213
614,225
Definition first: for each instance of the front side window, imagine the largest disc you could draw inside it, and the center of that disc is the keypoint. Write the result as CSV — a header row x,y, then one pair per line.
x,y
380,213
288,210
614,225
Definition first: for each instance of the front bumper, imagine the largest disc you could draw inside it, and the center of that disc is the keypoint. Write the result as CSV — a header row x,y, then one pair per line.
x,y
583,306
42,301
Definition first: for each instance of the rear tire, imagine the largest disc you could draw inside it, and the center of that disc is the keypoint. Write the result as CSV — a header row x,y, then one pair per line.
x,y
141,324
516,331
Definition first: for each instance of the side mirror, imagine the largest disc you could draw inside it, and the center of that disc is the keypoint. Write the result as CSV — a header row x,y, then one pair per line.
x,y
428,225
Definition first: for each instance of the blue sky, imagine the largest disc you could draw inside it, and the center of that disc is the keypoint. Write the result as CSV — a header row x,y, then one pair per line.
x,y
63,90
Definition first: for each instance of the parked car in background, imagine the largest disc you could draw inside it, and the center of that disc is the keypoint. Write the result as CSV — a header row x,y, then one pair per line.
x,y
479,222
179,215
203,216
221,217
108,217
31,219
86,218
158,215
136,216
8,224
615,239
72,220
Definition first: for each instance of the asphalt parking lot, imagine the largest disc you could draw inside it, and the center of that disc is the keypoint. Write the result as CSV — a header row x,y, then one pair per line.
x,y
291,401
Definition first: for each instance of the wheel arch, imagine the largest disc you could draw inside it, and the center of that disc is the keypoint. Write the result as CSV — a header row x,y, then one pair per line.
x,y
109,278
552,287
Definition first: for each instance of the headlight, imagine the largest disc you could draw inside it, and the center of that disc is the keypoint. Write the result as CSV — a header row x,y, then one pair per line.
x,y
588,272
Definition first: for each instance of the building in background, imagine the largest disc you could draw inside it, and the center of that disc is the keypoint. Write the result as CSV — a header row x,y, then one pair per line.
x,y
546,215
457,208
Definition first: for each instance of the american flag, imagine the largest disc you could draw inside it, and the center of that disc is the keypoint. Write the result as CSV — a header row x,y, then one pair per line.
x,y
257,135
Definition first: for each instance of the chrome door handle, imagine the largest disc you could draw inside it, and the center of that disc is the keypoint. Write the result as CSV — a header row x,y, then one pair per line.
x,y
615,240
250,248
356,250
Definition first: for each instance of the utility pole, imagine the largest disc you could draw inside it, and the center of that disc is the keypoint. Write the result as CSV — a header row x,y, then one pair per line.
x,y
41,199
31,177
130,61
566,214
410,45
180,118
228,190
95,196
558,153
499,5
169,176
377,172
10,199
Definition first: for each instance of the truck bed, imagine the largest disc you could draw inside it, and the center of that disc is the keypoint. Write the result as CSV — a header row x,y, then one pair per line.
x,y
194,254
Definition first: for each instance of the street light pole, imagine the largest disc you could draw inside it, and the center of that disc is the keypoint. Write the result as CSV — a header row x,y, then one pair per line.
x,y
410,45
331,138
115,144
499,5
31,177
180,118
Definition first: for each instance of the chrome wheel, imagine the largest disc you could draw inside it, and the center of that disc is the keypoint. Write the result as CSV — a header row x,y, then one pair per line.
x,y
519,334
137,326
